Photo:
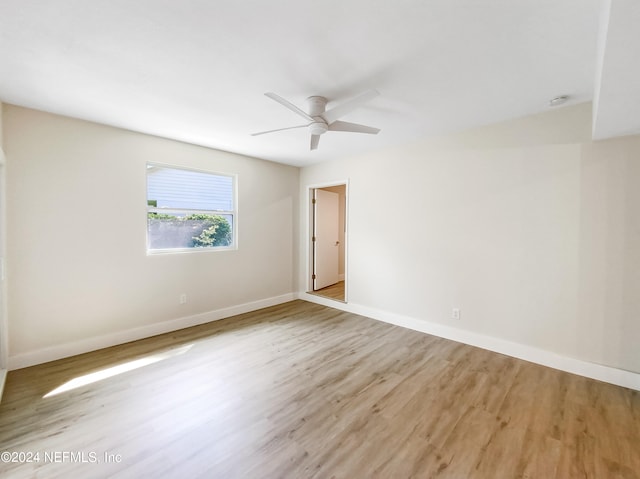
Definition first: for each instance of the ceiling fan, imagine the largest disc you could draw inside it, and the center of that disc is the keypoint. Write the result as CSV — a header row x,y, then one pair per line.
x,y
321,121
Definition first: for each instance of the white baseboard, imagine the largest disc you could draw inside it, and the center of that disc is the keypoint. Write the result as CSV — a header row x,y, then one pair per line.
x,y
98,342
341,277
608,374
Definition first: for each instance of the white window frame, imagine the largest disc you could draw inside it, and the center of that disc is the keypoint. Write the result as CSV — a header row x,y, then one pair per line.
x,y
208,249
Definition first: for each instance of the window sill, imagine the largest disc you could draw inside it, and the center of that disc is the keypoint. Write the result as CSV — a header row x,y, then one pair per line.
x,y
156,252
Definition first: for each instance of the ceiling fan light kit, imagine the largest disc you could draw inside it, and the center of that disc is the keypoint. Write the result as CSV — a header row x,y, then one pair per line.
x,y
321,121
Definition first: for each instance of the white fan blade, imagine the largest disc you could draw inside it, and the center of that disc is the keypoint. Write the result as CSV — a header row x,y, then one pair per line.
x,y
352,127
348,106
279,129
315,139
289,105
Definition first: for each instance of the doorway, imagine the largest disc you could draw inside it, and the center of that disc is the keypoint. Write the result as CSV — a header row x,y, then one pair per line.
x,y
328,227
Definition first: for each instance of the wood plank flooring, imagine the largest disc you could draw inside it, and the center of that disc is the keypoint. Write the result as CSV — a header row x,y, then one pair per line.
x,y
304,391
335,291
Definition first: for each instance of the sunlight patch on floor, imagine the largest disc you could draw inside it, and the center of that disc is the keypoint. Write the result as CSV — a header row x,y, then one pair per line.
x,y
115,370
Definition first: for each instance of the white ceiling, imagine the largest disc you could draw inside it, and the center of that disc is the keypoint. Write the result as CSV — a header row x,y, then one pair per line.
x,y
197,70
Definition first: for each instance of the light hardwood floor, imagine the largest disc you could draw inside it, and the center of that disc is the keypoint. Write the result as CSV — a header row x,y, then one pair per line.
x,y
304,391
335,291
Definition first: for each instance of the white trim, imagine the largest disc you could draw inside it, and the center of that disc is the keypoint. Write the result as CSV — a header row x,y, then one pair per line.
x,y
98,342
205,249
619,377
233,213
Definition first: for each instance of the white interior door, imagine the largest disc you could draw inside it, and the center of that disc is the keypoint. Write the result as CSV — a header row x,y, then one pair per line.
x,y
326,233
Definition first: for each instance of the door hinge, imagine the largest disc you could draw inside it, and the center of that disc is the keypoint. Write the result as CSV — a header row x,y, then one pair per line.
x,y
313,238
313,276
313,201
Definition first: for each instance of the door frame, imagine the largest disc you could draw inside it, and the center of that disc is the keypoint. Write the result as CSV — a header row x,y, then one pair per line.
x,y
309,234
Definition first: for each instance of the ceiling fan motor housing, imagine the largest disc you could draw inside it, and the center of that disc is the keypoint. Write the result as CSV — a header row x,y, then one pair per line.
x,y
317,105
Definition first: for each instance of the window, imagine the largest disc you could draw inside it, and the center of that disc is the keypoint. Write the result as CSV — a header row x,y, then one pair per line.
x,y
189,210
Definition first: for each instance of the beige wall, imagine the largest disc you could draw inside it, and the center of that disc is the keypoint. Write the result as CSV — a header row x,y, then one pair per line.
x,y
77,234
528,227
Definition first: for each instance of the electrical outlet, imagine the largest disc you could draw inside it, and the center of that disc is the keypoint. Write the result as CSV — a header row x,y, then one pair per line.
x,y
183,298
455,313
